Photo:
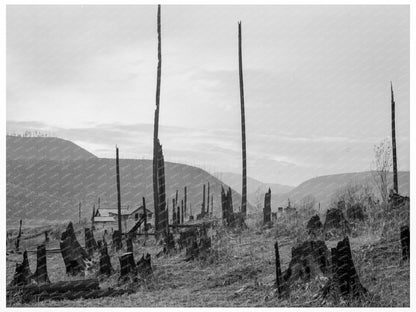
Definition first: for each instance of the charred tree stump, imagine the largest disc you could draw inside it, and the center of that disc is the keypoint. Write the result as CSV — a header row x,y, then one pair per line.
x,y
46,237
90,243
314,224
346,275
279,280
405,242
308,259
41,273
129,243
144,266
105,263
117,243
22,275
336,221
168,243
127,265
73,254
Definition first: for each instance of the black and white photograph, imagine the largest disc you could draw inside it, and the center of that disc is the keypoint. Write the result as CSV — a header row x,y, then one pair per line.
x,y
207,155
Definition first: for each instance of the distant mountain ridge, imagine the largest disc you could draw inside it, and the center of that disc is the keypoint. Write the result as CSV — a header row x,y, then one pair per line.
x,y
324,187
44,185
255,188
44,148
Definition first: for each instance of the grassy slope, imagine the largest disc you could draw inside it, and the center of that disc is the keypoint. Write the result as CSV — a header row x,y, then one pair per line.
x,y
242,273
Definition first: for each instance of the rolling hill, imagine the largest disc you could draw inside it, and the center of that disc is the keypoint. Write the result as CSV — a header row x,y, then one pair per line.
x,y
255,188
49,188
324,187
44,148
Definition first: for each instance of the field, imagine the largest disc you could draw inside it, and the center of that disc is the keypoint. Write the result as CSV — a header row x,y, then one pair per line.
x,y
240,271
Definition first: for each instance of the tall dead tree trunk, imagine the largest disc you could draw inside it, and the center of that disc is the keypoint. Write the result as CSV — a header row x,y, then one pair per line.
x,y
267,207
393,138
145,216
203,201
93,218
208,200
19,235
156,128
118,192
182,212
184,199
79,213
243,126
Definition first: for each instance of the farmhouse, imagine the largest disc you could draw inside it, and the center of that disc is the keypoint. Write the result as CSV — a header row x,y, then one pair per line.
x,y
108,217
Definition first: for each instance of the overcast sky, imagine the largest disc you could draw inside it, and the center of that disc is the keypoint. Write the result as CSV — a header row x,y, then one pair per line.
x,y
316,78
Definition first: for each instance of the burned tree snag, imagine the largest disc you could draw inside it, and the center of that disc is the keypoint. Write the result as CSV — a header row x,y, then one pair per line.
x,y
118,192
314,225
243,126
159,196
22,275
93,218
182,212
41,274
105,263
18,236
203,202
73,254
144,266
267,207
279,280
129,243
405,242
90,243
184,199
145,216
127,265
178,215
117,240
393,140
346,275
308,259
208,200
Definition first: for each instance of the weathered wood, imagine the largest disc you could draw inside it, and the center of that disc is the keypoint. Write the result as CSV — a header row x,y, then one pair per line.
x,y
105,262
90,243
41,274
393,140
314,224
346,275
144,266
267,207
127,265
18,236
405,242
117,240
309,259
118,192
335,220
243,126
22,275
185,199
73,254
279,280
129,243
145,216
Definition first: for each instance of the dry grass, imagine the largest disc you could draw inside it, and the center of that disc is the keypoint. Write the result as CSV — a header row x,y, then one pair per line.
x,y
240,271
